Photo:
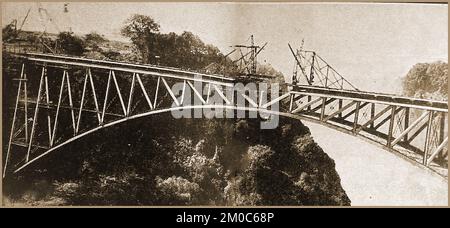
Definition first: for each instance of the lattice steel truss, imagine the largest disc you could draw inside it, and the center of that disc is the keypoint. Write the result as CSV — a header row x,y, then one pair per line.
x,y
85,95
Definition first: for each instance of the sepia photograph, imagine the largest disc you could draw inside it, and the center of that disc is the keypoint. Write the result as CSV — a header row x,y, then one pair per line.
x,y
224,104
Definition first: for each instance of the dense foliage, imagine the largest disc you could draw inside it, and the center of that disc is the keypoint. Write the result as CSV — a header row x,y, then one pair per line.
x,y
427,80
183,51
164,161
142,31
70,44
8,32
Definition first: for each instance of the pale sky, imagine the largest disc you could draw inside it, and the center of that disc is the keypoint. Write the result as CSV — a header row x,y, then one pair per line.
x,y
372,45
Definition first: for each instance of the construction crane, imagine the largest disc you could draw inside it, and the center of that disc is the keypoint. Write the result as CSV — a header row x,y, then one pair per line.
x,y
44,17
221,67
246,63
254,50
24,19
295,72
312,67
248,60
309,78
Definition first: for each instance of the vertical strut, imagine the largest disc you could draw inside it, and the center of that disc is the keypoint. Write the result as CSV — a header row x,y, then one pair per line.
x,y
208,92
291,102
47,101
69,91
156,92
391,126
311,71
36,110
25,104
81,103
355,123
428,138
437,151
260,98
57,109
406,123
94,95
130,98
182,92
442,132
322,111
309,100
13,121
372,114
106,97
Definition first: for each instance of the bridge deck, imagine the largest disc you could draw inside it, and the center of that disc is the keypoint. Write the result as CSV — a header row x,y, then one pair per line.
x,y
381,98
121,66
183,74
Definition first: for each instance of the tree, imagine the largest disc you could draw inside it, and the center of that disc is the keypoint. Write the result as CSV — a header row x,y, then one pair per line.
x,y
177,190
185,51
427,80
8,32
141,29
93,40
113,55
268,70
70,44
94,37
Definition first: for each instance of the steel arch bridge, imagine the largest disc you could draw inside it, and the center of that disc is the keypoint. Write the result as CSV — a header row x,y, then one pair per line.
x,y
61,99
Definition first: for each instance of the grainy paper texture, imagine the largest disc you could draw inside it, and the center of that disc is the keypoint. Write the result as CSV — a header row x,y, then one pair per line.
x,y
224,104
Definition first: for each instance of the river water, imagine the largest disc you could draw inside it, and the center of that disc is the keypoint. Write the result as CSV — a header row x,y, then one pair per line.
x,y
373,176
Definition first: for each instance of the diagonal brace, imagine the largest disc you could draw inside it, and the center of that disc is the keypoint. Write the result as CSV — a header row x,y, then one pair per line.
x,y
407,130
306,105
373,119
339,111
